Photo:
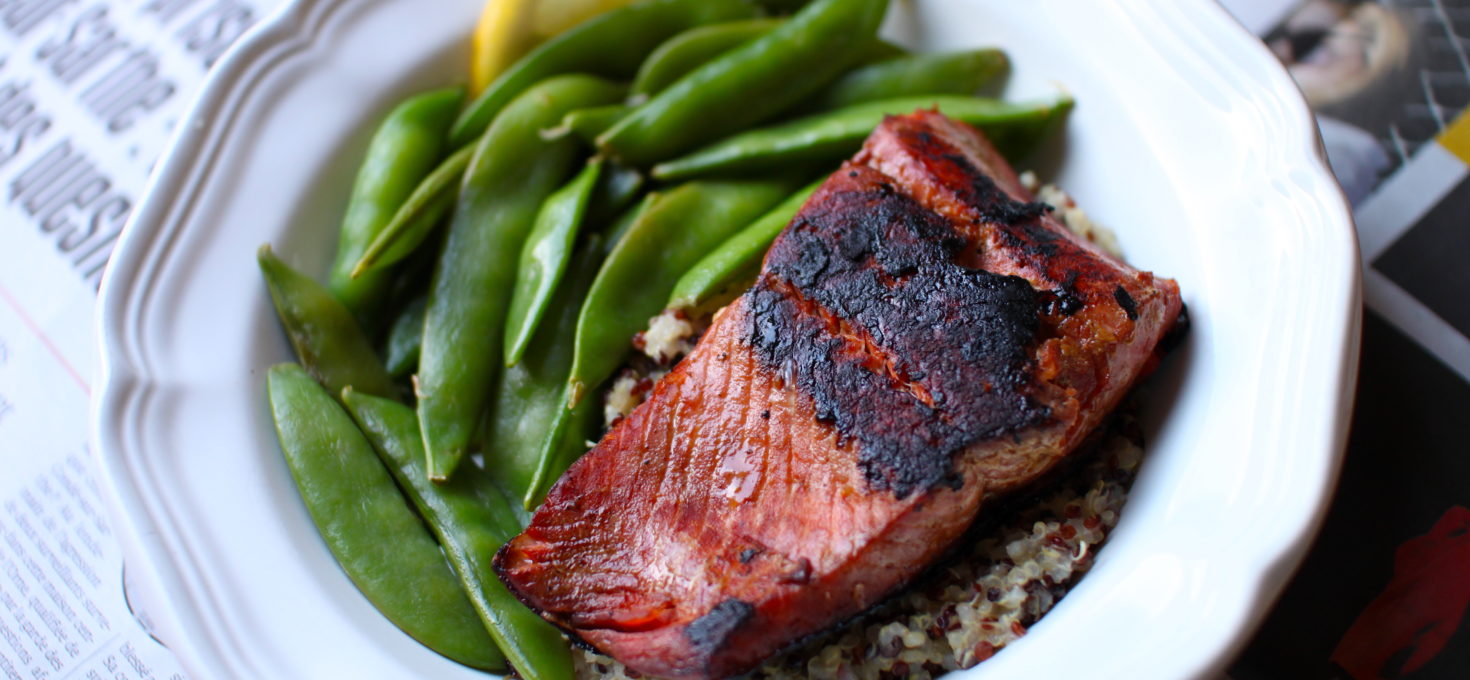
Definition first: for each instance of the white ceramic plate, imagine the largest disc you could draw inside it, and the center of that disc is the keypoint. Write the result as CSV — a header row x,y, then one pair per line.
x,y
1188,139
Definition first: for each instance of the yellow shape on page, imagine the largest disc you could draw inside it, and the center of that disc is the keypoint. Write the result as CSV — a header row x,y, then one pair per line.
x,y
1456,137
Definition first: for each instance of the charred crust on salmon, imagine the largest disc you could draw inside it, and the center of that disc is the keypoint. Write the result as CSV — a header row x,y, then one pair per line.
x,y
1126,302
1178,331
994,205
903,350
709,632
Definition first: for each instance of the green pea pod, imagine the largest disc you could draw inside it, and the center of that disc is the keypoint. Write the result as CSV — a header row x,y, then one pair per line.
x,y
676,229
529,395
738,255
405,147
368,526
671,232
692,48
616,189
1014,128
614,232
588,123
326,337
749,83
561,446
612,44
544,258
401,355
472,519
512,172
782,6
877,51
417,217
573,429
961,73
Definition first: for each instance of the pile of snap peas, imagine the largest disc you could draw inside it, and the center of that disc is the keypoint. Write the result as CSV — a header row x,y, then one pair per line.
x,y
499,253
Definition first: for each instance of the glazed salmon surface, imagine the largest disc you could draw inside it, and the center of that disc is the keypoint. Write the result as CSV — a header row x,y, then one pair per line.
x,y
922,338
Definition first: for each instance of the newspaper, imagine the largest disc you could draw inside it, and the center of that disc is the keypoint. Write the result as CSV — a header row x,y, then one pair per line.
x,y
91,89
89,93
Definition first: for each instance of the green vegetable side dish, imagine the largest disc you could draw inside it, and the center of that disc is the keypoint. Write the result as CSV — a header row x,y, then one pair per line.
x,y
613,234
1014,128
588,123
545,256
617,188
401,351
739,256
691,49
472,520
405,147
612,44
675,231
512,171
750,83
326,338
961,73
552,454
368,525
417,217
529,396
670,233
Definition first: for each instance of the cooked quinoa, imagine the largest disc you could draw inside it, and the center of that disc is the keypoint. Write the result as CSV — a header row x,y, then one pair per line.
x,y
1020,559
1066,211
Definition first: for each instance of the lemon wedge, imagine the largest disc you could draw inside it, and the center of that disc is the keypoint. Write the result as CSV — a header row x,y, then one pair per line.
x,y
508,29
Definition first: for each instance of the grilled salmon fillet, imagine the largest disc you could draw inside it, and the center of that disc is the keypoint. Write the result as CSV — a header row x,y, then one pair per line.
x,y
922,338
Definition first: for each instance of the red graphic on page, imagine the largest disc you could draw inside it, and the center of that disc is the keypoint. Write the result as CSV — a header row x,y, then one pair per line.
x,y
1421,608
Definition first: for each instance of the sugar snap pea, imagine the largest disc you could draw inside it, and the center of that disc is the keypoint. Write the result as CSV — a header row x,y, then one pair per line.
x,y
560,446
878,50
678,227
654,242
963,72
368,525
529,394
418,215
671,232
1014,128
692,48
612,44
749,83
512,171
588,123
615,231
323,332
545,256
616,189
405,147
738,255
782,6
401,351
471,519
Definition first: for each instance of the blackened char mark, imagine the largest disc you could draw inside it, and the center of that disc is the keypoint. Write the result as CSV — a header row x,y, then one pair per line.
x,y
709,632
1126,302
910,354
1019,223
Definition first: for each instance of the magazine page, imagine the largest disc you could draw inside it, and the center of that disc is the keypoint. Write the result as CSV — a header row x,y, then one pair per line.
x,y
89,95
1383,593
